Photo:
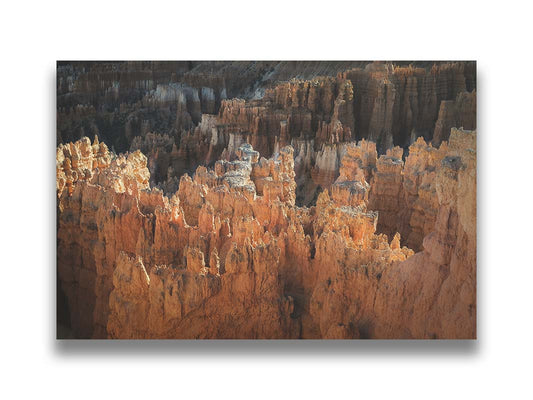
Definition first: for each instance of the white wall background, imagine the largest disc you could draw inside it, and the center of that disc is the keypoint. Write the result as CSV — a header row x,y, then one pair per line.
x,y
35,35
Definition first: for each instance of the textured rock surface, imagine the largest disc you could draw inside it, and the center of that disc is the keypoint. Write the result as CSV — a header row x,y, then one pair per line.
x,y
442,278
185,114
395,103
230,255
404,193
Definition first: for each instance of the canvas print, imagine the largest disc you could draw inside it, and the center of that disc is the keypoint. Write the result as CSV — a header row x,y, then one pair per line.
x,y
266,199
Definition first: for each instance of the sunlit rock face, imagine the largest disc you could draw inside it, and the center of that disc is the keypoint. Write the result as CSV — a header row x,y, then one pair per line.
x,y
267,199
182,115
387,250
442,277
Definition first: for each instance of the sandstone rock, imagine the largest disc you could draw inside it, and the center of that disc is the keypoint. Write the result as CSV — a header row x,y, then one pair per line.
x,y
180,117
199,232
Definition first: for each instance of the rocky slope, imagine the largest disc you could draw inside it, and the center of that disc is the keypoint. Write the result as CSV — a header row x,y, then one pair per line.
x,y
230,254
185,114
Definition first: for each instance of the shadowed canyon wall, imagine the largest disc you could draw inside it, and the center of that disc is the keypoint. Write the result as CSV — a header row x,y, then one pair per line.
x,y
185,114
231,255
266,199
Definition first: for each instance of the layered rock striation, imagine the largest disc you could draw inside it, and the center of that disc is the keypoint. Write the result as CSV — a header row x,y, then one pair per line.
x,y
230,254
185,114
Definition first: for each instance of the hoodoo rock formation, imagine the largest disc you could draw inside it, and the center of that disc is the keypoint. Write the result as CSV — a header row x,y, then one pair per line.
x,y
388,251
182,115
266,199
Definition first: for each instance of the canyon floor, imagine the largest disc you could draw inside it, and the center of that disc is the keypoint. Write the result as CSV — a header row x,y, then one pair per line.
x,y
266,200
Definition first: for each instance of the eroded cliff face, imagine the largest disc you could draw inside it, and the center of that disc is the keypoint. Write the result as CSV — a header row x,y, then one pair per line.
x,y
230,254
187,114
442,277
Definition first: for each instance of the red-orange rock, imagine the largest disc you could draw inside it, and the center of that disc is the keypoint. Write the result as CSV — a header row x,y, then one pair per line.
x,y
182,115
230,255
